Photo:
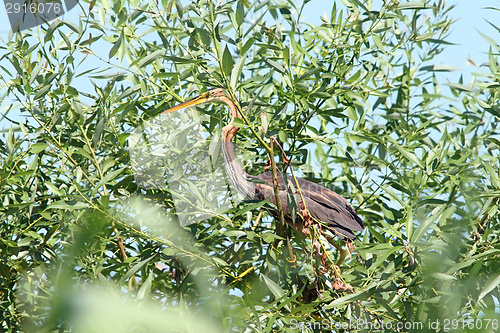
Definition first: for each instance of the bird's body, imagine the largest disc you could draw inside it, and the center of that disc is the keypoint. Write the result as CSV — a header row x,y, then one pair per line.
x,y
323,204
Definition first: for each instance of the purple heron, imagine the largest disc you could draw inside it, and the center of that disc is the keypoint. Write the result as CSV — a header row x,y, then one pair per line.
x,y
323,204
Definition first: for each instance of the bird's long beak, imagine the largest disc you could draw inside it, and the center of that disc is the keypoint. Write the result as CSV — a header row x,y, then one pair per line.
x,y
192,102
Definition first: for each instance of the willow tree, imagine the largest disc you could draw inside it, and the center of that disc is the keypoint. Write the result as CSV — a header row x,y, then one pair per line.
x,y
355,101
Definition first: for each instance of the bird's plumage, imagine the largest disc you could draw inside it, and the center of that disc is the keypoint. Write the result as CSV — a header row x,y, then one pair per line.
x,y
323,204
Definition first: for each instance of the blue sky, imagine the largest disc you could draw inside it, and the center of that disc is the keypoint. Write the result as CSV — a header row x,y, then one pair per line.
x,y
471,17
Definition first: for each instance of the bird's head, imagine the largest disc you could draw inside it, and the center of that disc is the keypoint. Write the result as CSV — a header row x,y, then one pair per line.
x,y
213,95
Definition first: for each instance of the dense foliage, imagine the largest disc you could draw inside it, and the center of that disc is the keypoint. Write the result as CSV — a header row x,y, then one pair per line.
x,y
359,107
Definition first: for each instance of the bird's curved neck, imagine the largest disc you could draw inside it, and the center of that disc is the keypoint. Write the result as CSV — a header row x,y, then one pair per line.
x,y
234,106
239,178
237,175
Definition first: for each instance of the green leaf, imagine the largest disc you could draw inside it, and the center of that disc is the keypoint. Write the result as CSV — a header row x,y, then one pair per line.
x,y
491,284
414,5
220,262
410,156
275,65
180,8
490,40
240,13
273,287
236,72
423,226
440,68
257,21
54,189
378,42
227,61
442,276
134,269
149,58
463,87
50,31
146,287
129,91
70,204
98,131
238,122
249,207
38,147
344,300
308,73
72,26
181,60
282,136
42,92
269,237
116,46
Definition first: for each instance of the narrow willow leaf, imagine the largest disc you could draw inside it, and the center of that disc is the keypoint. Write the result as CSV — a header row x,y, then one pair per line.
x,y
275,65
38,147
409,224
70,204
269,237
134,269
146,287
410,156
180,8
442,276
220,262
440,68
414,5
273,287
42,92
109,176
181,60
463,87
236,72
116,46
249,207
378,42
168,4
240,13
149,58
54,189
283,136
50,31
257,21
238,122
490,41
309,73
72,26
227,61
491,284
129,91
436,212
344,300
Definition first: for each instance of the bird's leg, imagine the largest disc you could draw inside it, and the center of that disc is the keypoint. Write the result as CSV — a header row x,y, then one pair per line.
x,y
280,231
276,187
286,160
281,228
292,259
343,253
